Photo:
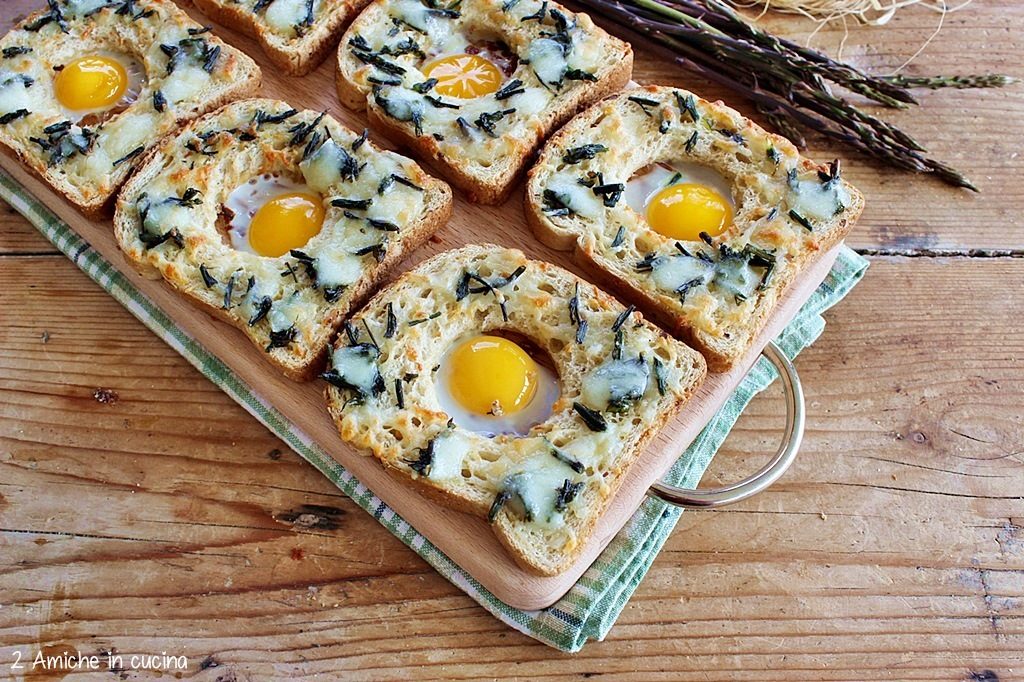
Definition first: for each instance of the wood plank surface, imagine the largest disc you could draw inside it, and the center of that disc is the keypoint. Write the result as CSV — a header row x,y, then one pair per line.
x,y
143,511
157,515
976,131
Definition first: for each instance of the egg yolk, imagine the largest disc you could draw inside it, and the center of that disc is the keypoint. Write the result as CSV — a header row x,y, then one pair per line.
x,y
488,372
284,223
93,82
685,210
464,76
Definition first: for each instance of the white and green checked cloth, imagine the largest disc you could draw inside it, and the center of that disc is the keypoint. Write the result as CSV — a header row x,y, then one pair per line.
x,y
591,607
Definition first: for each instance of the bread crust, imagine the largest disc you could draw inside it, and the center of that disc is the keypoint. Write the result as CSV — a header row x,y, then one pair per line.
x,y
495,184
521,553
295,60
98,204
98,208
536,309
416,237
493,190
586,245
181,271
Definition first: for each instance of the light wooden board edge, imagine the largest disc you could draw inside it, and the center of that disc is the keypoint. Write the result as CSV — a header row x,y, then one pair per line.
x,y
465,539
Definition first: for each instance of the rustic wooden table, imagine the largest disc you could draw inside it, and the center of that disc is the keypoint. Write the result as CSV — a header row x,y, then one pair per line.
x,y
143,511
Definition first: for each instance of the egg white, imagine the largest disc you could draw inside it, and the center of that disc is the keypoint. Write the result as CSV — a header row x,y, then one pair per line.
x,y
248,198
536,411
648,181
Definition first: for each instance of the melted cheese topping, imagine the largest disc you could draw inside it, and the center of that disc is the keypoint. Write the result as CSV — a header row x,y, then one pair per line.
x,y
616,384
284,16
282,302
547,60
578,198
714,279
673,272
184,84
81,8
557,474
338,269
358,365
104,152
817,200
394,50
322,168
17,92
450,451
536,483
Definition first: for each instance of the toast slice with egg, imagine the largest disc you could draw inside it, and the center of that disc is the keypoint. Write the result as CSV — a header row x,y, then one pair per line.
x,y
296,35
693,212
277,221
88,86
476,88
509,389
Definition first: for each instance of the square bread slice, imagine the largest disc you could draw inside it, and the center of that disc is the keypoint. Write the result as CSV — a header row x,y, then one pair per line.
x,y
716,292
544,472
84,141
530,64
192,215
295,34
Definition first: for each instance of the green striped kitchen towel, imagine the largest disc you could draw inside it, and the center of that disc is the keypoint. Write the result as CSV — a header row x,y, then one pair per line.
x,y
590,608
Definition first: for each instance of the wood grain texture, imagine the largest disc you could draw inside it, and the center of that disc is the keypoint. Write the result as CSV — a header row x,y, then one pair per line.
x,y
975,131
893,550
18,236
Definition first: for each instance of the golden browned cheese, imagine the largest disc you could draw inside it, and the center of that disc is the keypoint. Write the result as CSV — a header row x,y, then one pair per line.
x,y
190,214
514,72
171,70
295,34
715,291
617,380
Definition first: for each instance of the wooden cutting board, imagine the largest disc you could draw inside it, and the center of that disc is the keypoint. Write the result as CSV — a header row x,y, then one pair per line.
x,y
465,539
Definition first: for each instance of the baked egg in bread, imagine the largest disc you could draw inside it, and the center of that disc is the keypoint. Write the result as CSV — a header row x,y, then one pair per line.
x,y
681,200
688,209
476,85
295,34
97,85
270,215
278,220
88,86
509,389
491,385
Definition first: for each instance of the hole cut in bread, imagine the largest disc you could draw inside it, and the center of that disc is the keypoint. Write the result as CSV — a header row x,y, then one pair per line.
x,y
377,206
562,63
713,291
